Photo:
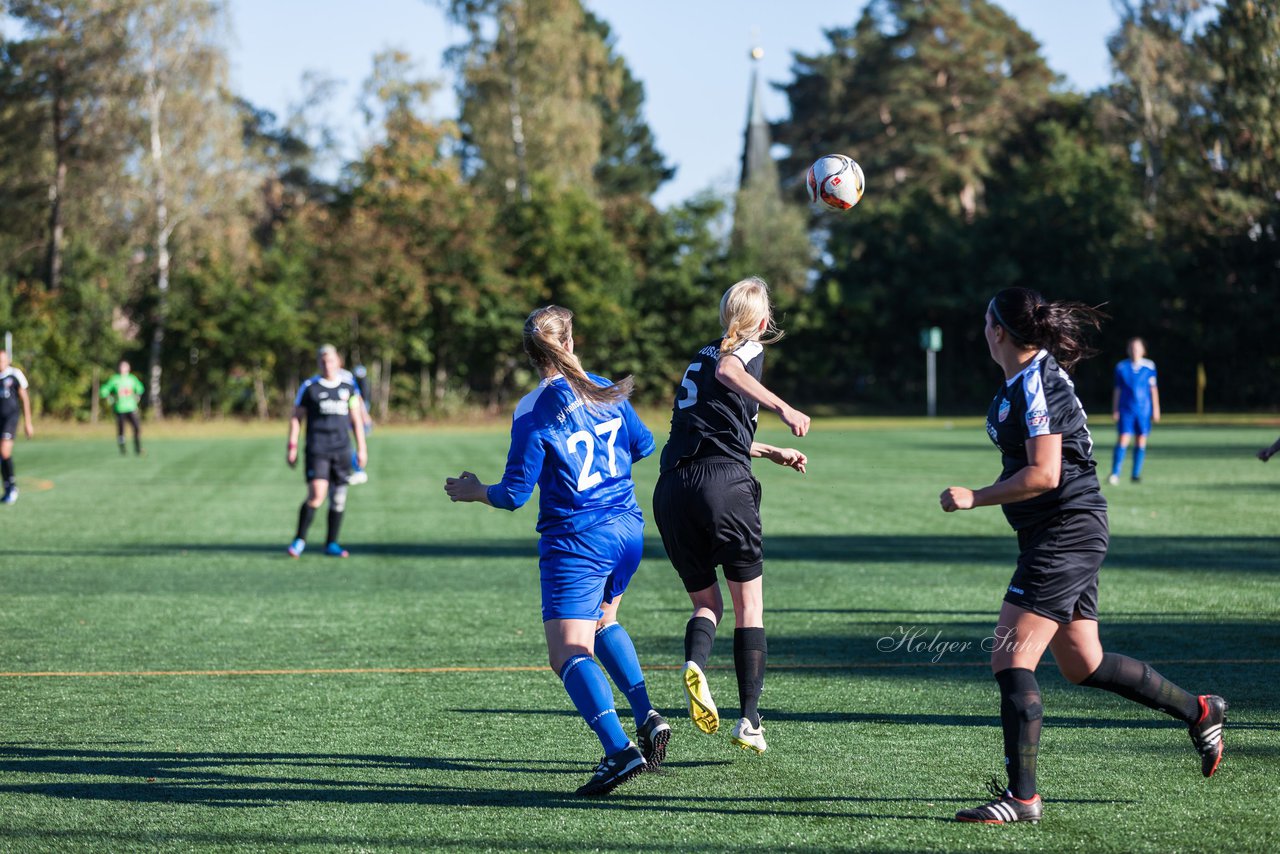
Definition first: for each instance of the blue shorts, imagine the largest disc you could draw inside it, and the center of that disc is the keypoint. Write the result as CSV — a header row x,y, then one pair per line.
x,y
582,571
1134,423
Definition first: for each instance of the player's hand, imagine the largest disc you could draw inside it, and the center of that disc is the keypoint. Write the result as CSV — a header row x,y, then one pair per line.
x,y
955,498
791,458
795,419
464,487
28,429
1265,454
362,457
291,457
1115,415
1155,417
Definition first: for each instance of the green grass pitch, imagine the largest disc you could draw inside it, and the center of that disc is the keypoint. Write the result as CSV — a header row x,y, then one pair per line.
x,y
410,707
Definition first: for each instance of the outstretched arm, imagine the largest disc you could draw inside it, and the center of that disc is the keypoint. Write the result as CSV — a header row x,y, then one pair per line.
x,y
732,373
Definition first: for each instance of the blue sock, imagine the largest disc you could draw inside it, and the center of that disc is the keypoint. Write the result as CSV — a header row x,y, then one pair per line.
x,y
1139,455
590,692
618,655
1117,460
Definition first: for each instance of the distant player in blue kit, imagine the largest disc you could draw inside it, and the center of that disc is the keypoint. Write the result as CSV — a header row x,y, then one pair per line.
x,y
575,437
1048,489
1135,405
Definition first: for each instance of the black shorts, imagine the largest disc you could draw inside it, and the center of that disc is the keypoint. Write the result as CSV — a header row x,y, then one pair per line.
x,y
1057,574
9,426
334,466
708,512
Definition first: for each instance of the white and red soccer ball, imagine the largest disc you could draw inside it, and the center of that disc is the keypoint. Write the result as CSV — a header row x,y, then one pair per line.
x,y
835,181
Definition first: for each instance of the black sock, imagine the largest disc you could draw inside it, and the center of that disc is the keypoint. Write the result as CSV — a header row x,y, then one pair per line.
x,y
335,525
699,635
1136,680
137,444
1020,717
305,514
6,470
749,653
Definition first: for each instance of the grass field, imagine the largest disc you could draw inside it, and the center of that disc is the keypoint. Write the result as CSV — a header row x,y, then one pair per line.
x,y
173,681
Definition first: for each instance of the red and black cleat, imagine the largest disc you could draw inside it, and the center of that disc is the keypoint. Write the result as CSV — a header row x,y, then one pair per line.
x,y
1206,733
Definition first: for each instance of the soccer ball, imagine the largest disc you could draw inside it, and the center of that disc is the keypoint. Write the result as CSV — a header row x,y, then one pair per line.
x,y
836,181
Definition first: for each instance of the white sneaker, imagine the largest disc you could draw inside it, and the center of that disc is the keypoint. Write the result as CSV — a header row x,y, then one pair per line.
x,y
358,477
748,737
1113,480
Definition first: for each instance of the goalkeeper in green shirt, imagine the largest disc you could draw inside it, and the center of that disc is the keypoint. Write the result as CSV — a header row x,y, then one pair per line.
x,y
124,391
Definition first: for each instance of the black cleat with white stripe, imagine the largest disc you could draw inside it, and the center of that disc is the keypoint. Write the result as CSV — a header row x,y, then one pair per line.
x,y
614,770
1206,733
653,736
1004,810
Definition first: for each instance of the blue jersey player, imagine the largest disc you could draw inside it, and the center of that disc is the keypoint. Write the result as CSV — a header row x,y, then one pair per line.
x,y
575,437
1135,405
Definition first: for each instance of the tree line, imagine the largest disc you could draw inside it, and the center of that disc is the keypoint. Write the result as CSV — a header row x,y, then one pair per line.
x,y
154,214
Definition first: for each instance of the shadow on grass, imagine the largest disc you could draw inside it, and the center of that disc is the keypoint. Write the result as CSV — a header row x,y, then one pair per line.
x,y
1254,554
253,780
497,839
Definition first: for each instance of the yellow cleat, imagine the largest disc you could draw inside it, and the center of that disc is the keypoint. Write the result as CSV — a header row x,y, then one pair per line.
x,y
748,737
702,709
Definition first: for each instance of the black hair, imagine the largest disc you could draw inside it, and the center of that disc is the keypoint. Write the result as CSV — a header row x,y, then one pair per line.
x,y
1059,327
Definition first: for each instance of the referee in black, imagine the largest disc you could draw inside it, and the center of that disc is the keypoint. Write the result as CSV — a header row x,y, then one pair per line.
x,y
325,401
1048,489
707,502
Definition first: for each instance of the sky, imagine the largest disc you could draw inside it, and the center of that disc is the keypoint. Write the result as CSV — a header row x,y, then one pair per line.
x,y
691,56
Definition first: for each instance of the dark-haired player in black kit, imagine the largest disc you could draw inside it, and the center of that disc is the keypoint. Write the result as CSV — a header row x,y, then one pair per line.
x,y
707,503
1049,492
325,401
14,401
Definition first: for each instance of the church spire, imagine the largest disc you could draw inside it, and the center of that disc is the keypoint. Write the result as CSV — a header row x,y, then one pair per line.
x,y
757,161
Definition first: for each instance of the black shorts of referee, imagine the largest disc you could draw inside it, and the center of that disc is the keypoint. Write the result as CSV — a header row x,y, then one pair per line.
x,y
708,512
1058,563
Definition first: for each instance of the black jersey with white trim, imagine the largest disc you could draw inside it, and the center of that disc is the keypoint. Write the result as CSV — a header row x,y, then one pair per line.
x,y
11,380
1039,401
328,407
709,418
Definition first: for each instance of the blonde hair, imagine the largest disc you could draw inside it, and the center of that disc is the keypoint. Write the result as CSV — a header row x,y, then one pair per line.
x,y
742,308
547,331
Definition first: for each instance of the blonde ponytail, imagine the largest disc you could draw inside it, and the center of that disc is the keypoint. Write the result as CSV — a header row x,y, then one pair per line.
x,y
742,308
547,331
